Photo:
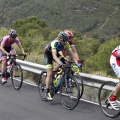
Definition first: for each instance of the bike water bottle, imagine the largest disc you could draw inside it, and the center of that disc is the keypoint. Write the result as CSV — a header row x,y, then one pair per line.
x,y
8,69
56,81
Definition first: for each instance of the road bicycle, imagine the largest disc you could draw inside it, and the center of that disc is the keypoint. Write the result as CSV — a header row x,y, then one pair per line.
x,y
14,71
104,94
67,86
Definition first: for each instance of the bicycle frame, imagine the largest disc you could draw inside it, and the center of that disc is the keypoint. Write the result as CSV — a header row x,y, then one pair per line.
x,y
12,59
67,86
67,71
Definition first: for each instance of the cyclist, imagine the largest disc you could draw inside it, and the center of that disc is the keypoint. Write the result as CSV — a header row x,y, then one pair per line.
x,y
63,53
7,49
52,53
71,45
115,64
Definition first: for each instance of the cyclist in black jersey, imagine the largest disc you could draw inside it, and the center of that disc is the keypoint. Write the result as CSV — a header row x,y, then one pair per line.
x,y
52,54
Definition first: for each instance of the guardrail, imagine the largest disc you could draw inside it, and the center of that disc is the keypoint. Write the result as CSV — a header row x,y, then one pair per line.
x,y
88,79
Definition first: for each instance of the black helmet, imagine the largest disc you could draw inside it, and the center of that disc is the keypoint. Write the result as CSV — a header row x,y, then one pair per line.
x,y
12,33
63,36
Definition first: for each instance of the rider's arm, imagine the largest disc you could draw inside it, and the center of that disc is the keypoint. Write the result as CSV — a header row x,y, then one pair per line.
x,y
3,50
72,55
61,53
75,52
74,49
54,54
67,46
54,46
20,47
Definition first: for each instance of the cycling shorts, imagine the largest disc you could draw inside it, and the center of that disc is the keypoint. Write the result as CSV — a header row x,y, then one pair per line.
x,y
48,59
9,50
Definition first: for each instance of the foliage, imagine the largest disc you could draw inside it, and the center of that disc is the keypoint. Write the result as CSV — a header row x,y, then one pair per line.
x,y
33,33
94,18
3,32
100,61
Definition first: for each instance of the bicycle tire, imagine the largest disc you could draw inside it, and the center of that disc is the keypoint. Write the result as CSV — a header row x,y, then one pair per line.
x,y
70,97
16,76
81,84
42,85
103,96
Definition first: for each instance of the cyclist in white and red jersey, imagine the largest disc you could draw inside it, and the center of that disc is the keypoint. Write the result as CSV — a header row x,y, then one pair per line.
x,y
115,64
71,45
6,49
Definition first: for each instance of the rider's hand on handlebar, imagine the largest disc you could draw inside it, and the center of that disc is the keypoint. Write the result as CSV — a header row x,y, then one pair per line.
x,y
79,65
24,53
8,54
61,64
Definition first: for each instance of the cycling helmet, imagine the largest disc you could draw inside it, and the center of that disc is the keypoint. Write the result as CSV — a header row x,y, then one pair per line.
x,y
63,36
69,33
12,33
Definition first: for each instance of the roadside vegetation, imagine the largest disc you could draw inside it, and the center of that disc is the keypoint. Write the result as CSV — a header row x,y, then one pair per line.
x,y
34,34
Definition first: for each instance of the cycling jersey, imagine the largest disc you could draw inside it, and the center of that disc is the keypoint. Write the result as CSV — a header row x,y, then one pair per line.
x,y
114,61
55,45
7,45
6,41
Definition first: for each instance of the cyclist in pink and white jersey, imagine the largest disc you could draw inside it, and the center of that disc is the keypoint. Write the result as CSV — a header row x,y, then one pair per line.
x,y
115,64
7,49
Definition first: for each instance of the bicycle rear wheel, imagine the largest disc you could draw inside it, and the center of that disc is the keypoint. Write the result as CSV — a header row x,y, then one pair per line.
x,y
42,85
70,93
104,94
17,76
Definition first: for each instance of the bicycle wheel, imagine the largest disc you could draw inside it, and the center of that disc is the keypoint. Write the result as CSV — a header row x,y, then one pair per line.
x,y
104,94
70,93
16,76
42,85
81,84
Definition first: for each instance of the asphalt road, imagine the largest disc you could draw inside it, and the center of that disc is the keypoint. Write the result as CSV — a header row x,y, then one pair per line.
x,y
26,104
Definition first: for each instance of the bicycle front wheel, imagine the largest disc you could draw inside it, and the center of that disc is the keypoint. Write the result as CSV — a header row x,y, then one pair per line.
x,y
42,85
17,76
81,85
104,94
70,93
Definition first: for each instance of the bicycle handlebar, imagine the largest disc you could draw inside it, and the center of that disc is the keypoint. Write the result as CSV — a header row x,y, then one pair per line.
x,y
71,62
11,56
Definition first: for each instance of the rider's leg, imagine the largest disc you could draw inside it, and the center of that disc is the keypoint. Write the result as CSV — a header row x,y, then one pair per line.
x,y
48,78
3,68
48,83
116,92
